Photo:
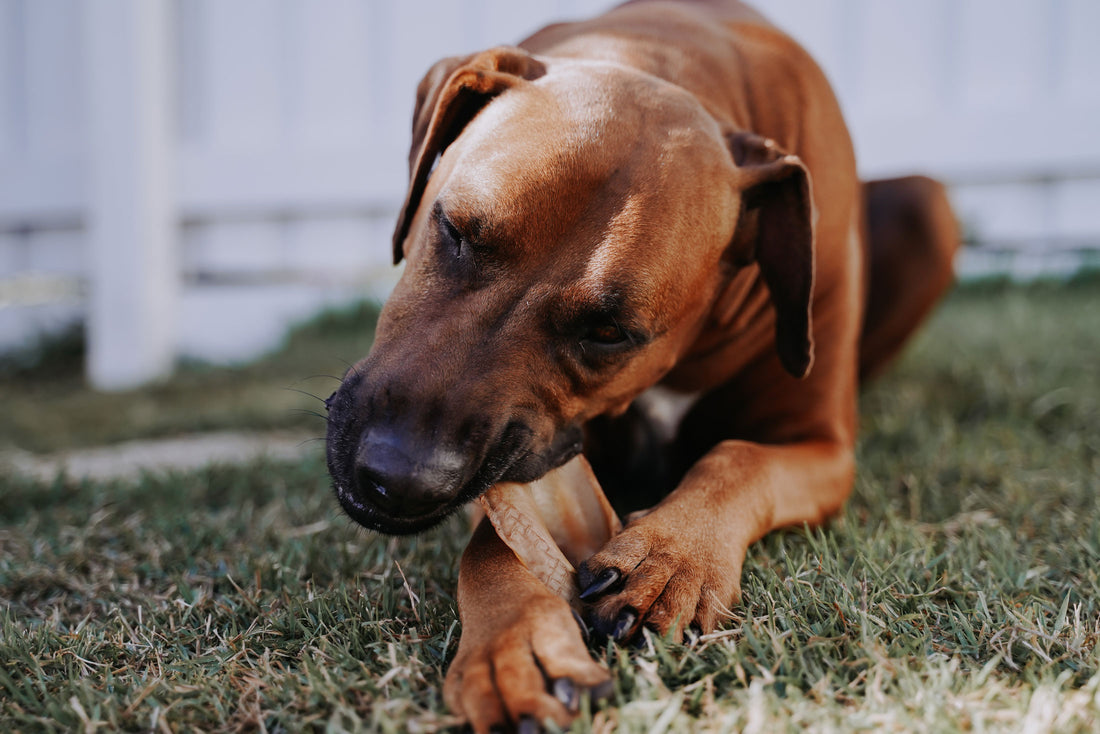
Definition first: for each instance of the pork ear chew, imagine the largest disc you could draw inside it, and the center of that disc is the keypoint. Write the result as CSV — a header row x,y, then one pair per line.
x,y
553,524
448,97
776,230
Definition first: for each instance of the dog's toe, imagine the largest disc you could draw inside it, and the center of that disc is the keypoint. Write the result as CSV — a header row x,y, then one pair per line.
x,y
536,669
647,578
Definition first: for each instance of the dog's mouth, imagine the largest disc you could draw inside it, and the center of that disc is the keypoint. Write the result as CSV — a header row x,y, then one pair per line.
x,y
512,459
373,517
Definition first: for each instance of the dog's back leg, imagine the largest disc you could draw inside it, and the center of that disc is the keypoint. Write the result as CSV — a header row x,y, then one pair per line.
x,y
912,237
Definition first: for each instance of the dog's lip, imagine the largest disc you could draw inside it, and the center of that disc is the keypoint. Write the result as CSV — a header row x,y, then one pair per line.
x,y
372,517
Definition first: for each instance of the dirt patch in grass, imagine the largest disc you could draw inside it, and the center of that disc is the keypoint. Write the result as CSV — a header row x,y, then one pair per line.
x,y
132,460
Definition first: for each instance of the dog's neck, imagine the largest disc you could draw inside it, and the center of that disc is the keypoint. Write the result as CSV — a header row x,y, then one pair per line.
x,y
739,324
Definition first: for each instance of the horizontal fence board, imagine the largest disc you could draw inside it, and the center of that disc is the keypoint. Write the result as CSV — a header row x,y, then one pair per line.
x,y
41,189
226,181
1076,212
339,249
990,142
235,324
1011,211
15,256
50,252
231,248
58,252
333,246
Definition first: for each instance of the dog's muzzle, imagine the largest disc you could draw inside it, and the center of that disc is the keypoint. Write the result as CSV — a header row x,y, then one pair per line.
x,y
400,482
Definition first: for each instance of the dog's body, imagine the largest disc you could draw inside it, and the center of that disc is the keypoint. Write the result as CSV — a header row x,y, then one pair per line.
x,y
622,215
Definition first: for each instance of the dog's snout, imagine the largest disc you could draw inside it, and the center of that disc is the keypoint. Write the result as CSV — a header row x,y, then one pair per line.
x,y
403,481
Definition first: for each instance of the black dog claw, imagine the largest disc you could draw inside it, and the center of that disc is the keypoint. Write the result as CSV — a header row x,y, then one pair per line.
x,y
623,624
607,578
566,692
580,623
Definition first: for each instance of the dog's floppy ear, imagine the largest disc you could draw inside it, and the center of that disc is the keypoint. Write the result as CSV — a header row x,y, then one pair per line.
x,y
448,97
776,230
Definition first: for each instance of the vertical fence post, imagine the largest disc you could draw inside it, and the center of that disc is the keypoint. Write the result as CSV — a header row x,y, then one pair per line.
x,y
131,219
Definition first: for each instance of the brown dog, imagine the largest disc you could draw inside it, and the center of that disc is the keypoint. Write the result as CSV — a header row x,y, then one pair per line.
x,y
616,235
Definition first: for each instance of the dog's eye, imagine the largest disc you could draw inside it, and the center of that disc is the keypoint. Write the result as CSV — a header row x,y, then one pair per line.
x,y
603,339
607,334
452,236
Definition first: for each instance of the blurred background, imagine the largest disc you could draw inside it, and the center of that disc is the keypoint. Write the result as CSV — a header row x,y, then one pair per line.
x,y
187,178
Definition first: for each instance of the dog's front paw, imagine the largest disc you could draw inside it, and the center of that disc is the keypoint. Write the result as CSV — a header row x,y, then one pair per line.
x,y
527,665
649,576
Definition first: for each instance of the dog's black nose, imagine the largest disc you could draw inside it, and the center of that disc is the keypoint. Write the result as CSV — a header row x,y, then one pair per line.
x,y
404,482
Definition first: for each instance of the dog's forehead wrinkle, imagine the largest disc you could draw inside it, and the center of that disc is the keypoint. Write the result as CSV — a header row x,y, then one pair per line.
x,y
622,239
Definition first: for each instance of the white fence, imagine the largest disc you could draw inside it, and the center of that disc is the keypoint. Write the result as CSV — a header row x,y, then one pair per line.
x,y
193,175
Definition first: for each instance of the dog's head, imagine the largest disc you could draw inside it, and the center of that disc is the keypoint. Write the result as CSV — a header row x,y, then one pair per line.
x,y
566,227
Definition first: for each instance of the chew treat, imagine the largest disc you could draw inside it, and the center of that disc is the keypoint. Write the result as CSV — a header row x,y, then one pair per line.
x,y
554,523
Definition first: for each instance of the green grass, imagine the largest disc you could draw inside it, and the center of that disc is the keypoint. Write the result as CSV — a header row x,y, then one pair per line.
x,y
47,405
959,590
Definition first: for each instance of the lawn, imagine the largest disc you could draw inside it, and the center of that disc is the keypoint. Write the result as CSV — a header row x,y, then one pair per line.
x,y
47,406
958,591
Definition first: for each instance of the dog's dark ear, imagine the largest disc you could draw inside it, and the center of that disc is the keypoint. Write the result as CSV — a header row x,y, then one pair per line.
x,y
776,230
448,97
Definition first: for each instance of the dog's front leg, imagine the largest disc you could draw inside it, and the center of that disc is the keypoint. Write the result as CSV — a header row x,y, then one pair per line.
x,y
680,564
521,658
